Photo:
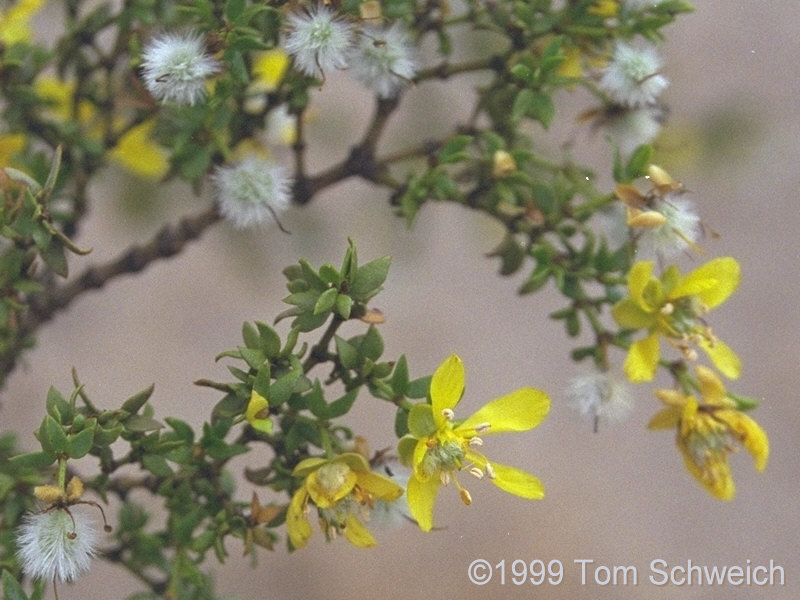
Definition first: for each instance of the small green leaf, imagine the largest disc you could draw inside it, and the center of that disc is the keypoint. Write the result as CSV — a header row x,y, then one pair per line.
x,y
234,9
81,443
341,406
12,590
419,387
54,257
344,306
371,345
57,406
269,341
133,404
452,151
140,424
32,460
54,439
369,278
401,422
284,387
638,162
250,335
348,355
157,465
326,301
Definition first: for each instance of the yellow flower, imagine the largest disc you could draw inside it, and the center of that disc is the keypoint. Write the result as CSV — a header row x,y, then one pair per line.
x,y
343,489
604,8
437,446
572,65
709,431
139,154
14,23
257,413
9,146
674,306
268,69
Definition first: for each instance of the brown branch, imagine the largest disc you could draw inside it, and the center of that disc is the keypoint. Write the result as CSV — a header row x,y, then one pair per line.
x,y
170,240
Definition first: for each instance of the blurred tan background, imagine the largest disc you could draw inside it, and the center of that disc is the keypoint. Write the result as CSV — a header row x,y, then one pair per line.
x,y
618,497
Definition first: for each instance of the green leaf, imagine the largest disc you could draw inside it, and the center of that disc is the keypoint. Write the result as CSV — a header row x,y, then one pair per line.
x,y
234,9
399,380
32,460
639,161
371,345
401,422
341,406
452,151
54,257
250,335
133,404
523,102
522,72
81,443
284,387
52,437
157,465
12,590
348,355
326,301
140,424
344,306
269,341
419,387
57,406
369,278
542,109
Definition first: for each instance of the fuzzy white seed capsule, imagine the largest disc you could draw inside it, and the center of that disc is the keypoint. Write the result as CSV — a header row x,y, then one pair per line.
x,y
56,544
175,67
252,192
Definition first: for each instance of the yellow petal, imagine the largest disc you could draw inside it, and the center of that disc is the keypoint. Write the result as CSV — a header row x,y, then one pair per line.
x,y
307,465
297,526
666,418
712,282
356,533
723,358
571,66
516,481
269,68
714,476
421,496
642,360
139,154
379,486
416,461
257,413
14,24
639,277
628,313
447,385
750,433
521,410
9,146
711,388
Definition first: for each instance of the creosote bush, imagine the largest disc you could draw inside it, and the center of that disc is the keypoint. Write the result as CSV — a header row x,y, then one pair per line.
x,y
201,92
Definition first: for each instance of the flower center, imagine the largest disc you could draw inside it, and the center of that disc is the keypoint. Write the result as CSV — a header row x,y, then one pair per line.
x,y
445,455
709,441
332,477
